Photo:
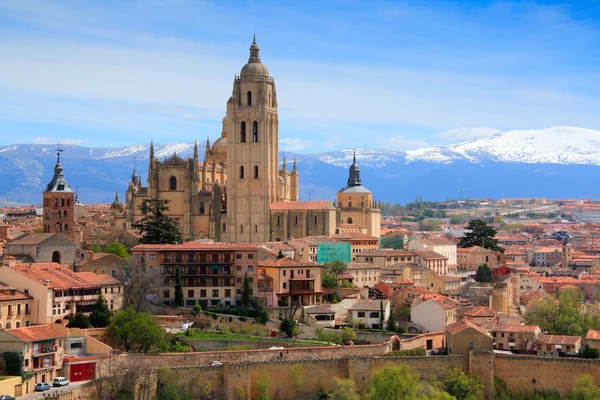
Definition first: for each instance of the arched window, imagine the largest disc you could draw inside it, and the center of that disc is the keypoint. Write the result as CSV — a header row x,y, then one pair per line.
x,y
362,203
56,257
55,202
65,214
243,132
349,204
241,228
9,325
278,220
249,98
256,172
68,202
173,183
315,220
349,220
255,228
62,202
201,207
255,132
224,228
58,213
144,208
296,220
242,172
58,227
66,227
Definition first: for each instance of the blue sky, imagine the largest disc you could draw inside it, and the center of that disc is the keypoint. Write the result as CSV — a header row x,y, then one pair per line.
x,y
394,75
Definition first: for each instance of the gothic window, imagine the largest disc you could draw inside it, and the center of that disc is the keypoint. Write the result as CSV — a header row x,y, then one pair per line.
x,y
224,228
66,227
315,220
202,207
296,220
242,172
254,132
62,202
249,98
58,227
173,183
256,172
58,212
349,220
241,228
278,220
65,214
255,228
243,132
362,203
55,202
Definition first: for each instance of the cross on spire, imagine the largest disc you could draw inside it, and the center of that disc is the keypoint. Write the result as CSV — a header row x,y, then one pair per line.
x,y
58,151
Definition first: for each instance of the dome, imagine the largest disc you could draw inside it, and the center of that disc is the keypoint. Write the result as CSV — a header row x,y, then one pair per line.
x,y
116,205
220,146
254,70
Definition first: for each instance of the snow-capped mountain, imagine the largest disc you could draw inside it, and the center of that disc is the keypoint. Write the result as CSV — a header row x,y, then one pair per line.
x,y
507,164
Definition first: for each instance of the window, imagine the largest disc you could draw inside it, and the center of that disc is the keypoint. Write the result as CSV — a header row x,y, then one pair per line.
x,y
255,228
242,172
296,220
166,293
227,292
256,172
243,132
361,314
250,256
201,207
373,315
284,272
349,205
255,132
66,226
224,228
250,268
315,220
191,293
284,285
349,220
249,95
202,292
278,220
241,228
238,268
173,183
215,293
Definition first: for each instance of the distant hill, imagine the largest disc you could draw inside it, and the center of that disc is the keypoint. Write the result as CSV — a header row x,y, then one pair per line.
x,y
560,162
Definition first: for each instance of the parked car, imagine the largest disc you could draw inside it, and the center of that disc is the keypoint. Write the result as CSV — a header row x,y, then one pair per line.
x,y
60,381
41,386
216,363
6,397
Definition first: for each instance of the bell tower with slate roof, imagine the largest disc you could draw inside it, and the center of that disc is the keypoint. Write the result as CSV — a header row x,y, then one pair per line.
x,y
59,203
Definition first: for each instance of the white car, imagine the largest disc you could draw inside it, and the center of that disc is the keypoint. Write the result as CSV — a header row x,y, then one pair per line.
x,y
59,381
216,364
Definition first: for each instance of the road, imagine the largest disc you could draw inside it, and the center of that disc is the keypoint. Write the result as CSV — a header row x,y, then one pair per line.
x,y
40,395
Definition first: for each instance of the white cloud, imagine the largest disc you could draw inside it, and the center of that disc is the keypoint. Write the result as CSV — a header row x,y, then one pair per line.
x,y
294,144
47,140
461,134
401,143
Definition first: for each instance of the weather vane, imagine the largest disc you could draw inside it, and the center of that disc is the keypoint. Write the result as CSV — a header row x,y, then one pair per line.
x,y
58,150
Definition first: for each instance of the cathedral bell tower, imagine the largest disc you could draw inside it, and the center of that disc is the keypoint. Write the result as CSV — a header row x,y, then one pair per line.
x,y
59,203
252,152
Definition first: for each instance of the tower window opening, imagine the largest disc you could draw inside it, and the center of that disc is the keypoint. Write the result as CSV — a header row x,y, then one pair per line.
x,y
349,220
255,228
255,132
173,183
65,214
201,207
55,202
241,228
256,172
68,202
296,220
243,132
315,220
66,227
249,98
349,204
278,220
62,202
242,172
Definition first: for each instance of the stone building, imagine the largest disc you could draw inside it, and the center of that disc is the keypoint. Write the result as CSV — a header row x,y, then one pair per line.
x,y
59,204
238,193
41,247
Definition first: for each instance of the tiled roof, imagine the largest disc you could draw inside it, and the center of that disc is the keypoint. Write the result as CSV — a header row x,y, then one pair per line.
x,y
32,238
36,332
354,236
464,324
368,305
429,255
195,246
518,328
386,253
592,334
362,265
61,277
437,241
319,310
560,339
480,312
286,262
5,293
302,205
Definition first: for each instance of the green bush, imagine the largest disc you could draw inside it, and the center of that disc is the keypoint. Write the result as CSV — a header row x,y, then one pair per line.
x,y
408,353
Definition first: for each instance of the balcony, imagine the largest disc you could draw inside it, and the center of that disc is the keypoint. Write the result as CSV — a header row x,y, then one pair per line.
x,y
45,350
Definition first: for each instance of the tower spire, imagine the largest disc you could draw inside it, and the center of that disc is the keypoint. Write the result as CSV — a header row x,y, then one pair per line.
x,y
294,169
151,151
195,151
116,195
284,164
354,173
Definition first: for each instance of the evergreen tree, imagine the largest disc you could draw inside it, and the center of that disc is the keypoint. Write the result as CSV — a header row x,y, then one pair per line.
x,y
246,292
178,289
484,274
479,233
157,227
79,320
101,314
381,316
280,255
391,323
118,249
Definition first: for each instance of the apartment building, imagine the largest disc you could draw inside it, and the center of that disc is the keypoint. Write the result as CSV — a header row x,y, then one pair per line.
x,y
15,307
285,281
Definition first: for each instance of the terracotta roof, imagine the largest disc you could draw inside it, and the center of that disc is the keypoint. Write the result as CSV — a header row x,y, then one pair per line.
x,y
354,236
319,310
560,339
194,246
429,255
517,328
592,334
464,324
5,293
286,262
61,277
32,238
480,312
36,333
386,253
362,265
302,205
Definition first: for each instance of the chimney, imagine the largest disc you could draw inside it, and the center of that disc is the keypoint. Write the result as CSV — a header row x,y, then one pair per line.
x,y
90,255
47,282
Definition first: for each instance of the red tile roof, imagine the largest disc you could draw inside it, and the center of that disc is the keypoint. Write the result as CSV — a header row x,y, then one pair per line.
x,y
592,334
560,339
5,293
354,236
464,324
61,277
517,328
480,312
286,262
36,333
195,246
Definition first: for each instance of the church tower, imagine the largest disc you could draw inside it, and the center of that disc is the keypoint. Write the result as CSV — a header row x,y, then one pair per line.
x,y
59,204
252,153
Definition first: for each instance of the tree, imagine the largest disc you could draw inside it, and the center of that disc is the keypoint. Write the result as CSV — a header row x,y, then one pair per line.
x,y
585,389
118,249
344,389
178,289
157,227
299,379
142,287
484,274
589,352
391,323
280,255
264,385
79,320
196,310
96,249
135,331
463,386
347,334
335,267
393,382
329,280
246,294
563,314
288,327
479,233
101,314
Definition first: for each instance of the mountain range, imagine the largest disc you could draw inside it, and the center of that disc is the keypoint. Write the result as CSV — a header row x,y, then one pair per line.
x,y
559,162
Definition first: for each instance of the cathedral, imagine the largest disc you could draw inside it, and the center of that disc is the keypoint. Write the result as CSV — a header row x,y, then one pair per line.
x,y
238,193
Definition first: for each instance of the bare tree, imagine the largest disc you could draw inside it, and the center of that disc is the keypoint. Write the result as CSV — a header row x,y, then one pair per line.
x,y
143,287
124,374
